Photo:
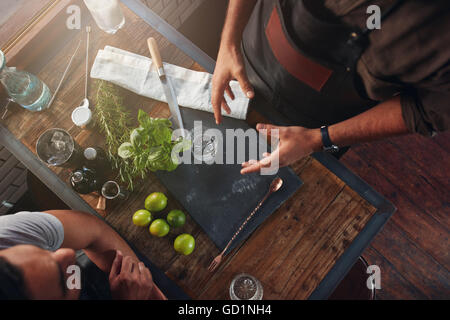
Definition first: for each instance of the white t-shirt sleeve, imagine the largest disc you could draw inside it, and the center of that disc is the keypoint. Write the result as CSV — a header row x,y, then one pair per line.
x,y
32,228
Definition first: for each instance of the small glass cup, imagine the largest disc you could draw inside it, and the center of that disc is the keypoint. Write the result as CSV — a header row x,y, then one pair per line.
x,y
57,148
111,190
204,147
245,287
107,14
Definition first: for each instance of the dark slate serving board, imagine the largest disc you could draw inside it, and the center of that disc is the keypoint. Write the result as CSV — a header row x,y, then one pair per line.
x,y
217,196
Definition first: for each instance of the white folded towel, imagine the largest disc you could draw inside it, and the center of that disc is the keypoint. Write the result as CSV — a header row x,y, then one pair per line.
x,y
136,73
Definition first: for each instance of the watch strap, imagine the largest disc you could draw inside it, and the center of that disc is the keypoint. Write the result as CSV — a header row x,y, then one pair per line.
x,y
328,145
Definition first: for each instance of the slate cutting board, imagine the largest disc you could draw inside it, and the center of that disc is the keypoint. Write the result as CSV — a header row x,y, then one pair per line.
x,y
217,196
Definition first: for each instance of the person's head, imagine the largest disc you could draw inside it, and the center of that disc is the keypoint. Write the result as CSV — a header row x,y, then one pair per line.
x,y
28,272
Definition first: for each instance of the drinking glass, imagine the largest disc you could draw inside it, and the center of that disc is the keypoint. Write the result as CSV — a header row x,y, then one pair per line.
x,y
57,148
111,190
107,14
245,287
204,147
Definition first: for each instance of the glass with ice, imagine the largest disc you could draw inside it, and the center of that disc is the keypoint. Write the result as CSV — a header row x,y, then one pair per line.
x,y
107,14
56,147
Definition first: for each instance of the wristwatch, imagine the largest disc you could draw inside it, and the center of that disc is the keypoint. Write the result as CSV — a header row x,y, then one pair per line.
x,y
328,146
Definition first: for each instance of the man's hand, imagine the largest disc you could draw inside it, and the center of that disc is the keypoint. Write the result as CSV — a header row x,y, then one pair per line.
x,y
230,63
294,144
229,66
131,280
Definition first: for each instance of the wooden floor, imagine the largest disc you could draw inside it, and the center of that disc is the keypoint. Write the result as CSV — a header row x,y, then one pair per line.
x,y
413,248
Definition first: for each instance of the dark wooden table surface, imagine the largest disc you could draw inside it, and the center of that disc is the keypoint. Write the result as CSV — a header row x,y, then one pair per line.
x,y
302,251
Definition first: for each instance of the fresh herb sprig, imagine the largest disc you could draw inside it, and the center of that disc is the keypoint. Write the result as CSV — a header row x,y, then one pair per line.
x,y
150,146
115,122
133,153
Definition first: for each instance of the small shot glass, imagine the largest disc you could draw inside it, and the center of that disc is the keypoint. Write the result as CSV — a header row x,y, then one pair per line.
x,y
111,190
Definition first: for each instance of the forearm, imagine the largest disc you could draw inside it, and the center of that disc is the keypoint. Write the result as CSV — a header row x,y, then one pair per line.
x,y
92,235
238,14
382,121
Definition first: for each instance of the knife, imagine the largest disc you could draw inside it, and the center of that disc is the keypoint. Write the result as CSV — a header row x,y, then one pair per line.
x,y
171,97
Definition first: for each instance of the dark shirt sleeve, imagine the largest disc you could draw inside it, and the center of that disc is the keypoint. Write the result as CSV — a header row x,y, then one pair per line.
x,y
426,112
410,56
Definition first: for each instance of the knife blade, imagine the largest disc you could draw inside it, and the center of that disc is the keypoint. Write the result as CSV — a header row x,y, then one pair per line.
x,y
167,86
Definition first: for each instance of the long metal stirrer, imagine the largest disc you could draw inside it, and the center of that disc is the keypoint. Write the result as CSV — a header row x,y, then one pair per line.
x,y
64,75
88,31
6,109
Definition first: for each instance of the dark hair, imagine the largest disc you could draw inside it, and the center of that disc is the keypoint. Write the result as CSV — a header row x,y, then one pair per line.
x,y
12,284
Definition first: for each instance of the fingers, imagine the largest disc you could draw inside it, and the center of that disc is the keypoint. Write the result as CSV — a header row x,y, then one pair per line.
x,y
256,166
219,85
117,264
249,163
269,130
127,265
149,290
245,84
230,92
225,106
145,273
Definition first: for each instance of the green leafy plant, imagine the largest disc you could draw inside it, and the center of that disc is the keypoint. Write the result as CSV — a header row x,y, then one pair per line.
x,y
150,146
134,152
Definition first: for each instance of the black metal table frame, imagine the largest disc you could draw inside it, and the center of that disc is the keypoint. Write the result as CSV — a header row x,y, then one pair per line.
x,y
343,265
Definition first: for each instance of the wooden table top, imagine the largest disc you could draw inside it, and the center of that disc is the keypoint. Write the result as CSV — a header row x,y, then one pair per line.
x,y
290,253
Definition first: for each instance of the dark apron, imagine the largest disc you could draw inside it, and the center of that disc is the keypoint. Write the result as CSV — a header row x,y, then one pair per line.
x,y
307,74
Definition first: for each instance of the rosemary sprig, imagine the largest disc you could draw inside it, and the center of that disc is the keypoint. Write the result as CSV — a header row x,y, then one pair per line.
x,y
114,121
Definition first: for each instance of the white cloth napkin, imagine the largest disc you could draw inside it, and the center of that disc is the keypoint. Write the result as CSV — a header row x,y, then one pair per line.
x,y
136,73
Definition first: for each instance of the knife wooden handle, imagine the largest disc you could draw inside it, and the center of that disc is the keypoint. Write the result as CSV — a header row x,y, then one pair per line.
x,y
156,55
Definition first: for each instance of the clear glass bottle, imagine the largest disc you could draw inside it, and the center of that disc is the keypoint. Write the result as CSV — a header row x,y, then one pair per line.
x,y
23,87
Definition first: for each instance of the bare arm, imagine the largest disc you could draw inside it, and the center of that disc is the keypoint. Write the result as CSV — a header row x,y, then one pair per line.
x,y
384,120
230,63
108,250
92,235
238,13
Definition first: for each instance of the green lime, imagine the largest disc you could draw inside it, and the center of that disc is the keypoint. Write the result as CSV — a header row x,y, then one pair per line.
x,y
142,218
176,218
184,244
159,228
155,202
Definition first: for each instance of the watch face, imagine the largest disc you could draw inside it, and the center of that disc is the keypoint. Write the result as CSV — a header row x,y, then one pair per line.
x,y
331,149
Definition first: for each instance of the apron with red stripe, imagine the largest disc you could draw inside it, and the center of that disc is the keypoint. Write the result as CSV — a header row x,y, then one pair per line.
x,y
305,70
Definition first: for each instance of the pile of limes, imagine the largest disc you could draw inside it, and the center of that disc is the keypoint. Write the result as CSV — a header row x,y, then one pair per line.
x,y
156,202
